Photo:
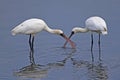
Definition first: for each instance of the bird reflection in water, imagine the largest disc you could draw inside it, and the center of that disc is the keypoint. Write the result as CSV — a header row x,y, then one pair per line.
x,y
33,70
61,63
99,51
95,71
40,71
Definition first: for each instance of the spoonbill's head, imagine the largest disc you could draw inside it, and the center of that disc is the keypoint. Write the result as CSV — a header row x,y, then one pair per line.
x,y
78,30
61,33
74,31
58,31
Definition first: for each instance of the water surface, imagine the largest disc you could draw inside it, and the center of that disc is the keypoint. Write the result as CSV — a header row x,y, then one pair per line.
x,y
50,61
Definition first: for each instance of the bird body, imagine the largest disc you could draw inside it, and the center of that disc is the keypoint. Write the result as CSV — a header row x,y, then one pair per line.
x,y
30,26
33,26
96,24
92,24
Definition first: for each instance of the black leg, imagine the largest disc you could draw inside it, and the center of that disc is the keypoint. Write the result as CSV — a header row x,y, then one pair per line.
x,y
92,47
30,42
33,44
91,42
99,39
99,48
32,61
92,56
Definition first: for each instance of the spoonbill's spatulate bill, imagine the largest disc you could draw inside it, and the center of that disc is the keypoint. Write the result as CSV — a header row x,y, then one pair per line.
x,y
92,24
33,26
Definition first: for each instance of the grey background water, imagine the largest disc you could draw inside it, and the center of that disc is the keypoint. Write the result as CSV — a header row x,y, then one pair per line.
x,y
54,62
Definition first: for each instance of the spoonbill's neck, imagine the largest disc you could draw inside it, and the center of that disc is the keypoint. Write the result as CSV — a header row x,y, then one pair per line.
x,y
54,31
84,30
48,29
79,29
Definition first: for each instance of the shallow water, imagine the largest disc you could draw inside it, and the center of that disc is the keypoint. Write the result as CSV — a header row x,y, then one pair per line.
x,y
50,61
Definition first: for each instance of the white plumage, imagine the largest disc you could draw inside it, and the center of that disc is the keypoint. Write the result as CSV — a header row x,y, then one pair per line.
x,y
96,24
92,24
30,26
33,26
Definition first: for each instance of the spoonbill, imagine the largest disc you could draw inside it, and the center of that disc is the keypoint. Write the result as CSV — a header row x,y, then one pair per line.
x,y
33,26
92,24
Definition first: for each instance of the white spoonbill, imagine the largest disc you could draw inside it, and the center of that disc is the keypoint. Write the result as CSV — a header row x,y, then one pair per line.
x,y
92,24
33,26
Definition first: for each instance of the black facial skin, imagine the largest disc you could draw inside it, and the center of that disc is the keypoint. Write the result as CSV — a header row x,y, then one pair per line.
x,y
69,37
71,34
62,35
